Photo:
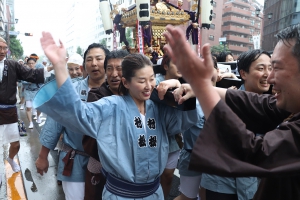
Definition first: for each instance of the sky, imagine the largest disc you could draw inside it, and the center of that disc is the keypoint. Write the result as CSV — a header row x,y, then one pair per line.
x,y
261,2
35,16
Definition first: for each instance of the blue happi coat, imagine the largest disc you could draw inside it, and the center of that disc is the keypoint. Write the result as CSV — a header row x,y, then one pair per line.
x,y
128,149
173,146
244,187
189,137
50,135
30,89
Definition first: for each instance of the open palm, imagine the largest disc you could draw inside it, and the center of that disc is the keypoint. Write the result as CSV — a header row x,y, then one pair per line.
x,y
56,54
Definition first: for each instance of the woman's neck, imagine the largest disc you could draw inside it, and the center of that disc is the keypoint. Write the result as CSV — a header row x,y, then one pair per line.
x,y
167,77
140,105
95,83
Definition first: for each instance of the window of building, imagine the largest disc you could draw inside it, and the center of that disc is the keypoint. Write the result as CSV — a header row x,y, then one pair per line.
x,y
211,37
212,26
214,3
214,15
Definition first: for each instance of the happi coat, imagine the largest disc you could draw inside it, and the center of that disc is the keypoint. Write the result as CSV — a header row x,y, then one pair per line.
x,y
11,73
137,152
228,146
50,135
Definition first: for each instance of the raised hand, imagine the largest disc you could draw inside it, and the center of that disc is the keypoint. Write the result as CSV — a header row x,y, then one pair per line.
x,y
57,55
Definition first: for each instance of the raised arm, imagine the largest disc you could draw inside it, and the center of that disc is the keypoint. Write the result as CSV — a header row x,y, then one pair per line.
x,y
196,71
185,92
57,56
30,75
164,86
65,106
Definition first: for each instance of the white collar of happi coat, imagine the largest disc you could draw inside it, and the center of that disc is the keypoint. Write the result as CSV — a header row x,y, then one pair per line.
x,y
1,69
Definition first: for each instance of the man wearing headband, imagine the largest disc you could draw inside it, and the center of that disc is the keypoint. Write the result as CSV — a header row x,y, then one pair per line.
x,y
10,72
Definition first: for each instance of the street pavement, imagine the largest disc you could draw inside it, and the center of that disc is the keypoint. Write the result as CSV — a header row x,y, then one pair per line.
x,y
45,187
36,187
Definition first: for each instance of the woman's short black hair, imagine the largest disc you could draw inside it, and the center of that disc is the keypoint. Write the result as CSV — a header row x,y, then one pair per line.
x,y
130,65
222,56
165,61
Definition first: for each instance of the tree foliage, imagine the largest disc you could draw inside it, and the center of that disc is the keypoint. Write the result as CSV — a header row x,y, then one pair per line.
x,y
79,51
103,42
128,36
15,46
219,48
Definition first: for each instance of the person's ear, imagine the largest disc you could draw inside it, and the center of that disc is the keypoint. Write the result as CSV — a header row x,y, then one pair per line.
x,y
243,74
166,67
81,68
125,83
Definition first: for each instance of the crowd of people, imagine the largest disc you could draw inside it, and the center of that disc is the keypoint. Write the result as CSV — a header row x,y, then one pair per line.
x,y
122,138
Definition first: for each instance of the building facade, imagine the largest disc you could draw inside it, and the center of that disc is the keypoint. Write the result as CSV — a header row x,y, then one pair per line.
x,y
240,24
83,25
2,14
11,4
7,16
285,13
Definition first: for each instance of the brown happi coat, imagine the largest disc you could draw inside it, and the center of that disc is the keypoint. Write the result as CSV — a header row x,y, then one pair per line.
x,y
13,71
93,192
227,145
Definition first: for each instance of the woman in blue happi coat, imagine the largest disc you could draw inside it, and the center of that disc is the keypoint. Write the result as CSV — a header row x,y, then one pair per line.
x,y
131,130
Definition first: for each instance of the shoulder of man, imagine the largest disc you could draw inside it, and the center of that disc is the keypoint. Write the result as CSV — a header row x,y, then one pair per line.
x,y
11,62
98,93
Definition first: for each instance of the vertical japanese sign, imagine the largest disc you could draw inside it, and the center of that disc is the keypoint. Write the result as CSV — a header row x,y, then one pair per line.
x,y
140,37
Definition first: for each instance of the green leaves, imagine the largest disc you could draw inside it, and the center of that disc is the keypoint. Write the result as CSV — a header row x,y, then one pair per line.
x,y
219,48
15,47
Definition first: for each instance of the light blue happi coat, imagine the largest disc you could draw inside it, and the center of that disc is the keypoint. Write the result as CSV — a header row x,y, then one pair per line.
x,y
30,89
128,149
190,136
173,145
244,187
50,135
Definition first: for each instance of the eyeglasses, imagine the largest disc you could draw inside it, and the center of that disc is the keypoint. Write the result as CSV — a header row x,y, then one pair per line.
x,y
3,48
